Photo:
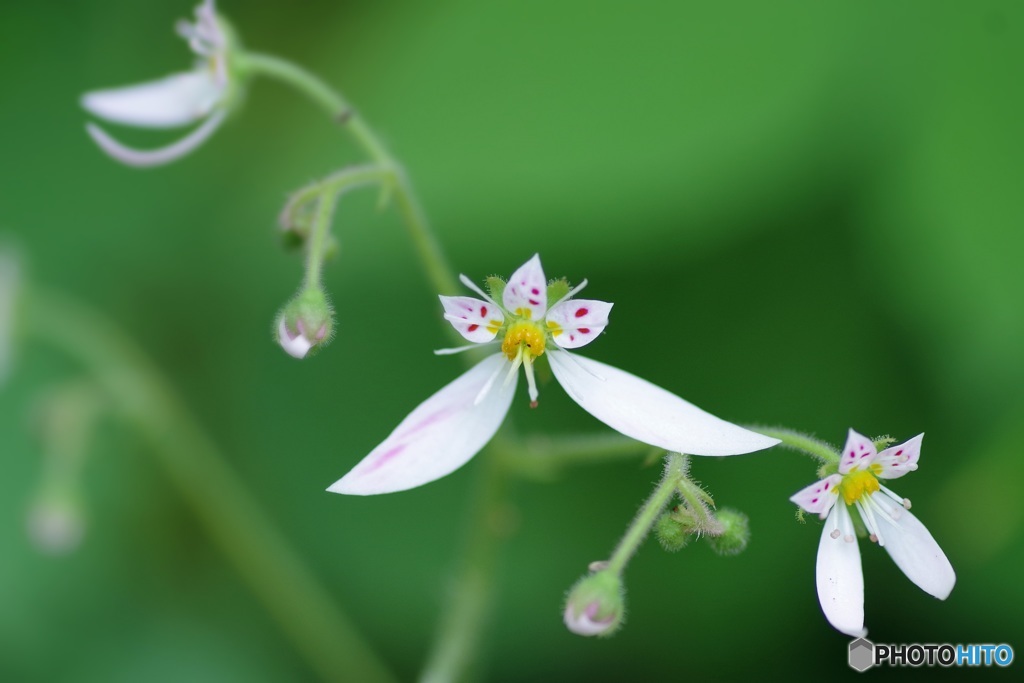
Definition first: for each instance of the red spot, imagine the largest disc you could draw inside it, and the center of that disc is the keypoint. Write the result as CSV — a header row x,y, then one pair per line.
x,y
580,312
536,292
483,311
899,452
584,330
827,484
535,303
814,501
852,454
473,328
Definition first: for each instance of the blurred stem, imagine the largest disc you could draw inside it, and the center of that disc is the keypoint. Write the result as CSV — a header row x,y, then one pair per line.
x,y
466,613
232,517
801,443
338,108
675,472
544,458
318,239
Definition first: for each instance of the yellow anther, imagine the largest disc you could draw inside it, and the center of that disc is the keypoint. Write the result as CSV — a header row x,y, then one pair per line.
x,y
523,333
554,328
857,484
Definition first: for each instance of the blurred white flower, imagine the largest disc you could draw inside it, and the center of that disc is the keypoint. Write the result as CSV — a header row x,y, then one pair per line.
x,y
173,101
450,427
9,288
888,520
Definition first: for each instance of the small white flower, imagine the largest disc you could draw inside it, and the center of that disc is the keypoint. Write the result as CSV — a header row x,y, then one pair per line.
x,y
450,427
176,100
9,286
888,520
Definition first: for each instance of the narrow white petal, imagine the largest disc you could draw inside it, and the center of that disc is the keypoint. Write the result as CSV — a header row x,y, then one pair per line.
x,y
647,413
177,100
915,552
155,157
838,574
437,438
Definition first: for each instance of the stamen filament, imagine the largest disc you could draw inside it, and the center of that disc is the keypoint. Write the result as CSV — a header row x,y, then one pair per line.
x,y
570,294
460,349
530,380
469,283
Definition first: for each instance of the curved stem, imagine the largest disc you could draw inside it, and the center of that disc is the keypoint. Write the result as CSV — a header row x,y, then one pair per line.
x,y
338,108
801,443
675,470
232,517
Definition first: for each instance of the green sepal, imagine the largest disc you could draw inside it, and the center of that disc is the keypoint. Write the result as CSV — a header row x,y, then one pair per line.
x,y
671,532
495,287
557,289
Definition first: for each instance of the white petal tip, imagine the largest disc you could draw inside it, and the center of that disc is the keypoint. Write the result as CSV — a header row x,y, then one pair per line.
x,y
295,346
156,157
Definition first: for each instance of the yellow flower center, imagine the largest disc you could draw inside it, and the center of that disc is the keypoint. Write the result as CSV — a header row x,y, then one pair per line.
x,y
524,332
857,484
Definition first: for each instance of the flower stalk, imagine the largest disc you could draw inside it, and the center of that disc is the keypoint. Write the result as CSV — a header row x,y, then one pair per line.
x,y
305,610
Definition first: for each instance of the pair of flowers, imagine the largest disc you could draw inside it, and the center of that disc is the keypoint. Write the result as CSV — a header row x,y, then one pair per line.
x,y
450,427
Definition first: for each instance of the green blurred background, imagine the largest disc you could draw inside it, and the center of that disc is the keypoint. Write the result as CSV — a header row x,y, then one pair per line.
x,y
806,213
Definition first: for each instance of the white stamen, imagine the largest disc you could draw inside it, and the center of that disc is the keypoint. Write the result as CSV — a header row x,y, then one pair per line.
x,y
515,367
582,367
572,291
530,380
469,283
889,492
487,386
906,503
460,349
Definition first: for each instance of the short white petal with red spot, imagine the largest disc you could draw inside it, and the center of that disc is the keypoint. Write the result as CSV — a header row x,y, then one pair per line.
x,y
527,290
438,437
819,497
478,321
577,322
647,413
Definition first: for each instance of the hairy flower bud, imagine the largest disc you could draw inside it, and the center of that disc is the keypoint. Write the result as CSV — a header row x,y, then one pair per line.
x,y
735,533
672,533
305,323
595,606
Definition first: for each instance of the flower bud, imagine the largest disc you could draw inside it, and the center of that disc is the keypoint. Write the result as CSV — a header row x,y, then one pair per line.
x,y
595,606
306,322
735,533
672,533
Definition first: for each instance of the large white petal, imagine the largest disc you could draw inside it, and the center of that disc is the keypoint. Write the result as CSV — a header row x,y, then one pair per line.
x,y
177,100
647,413
915,552
437,438
144,158
838,574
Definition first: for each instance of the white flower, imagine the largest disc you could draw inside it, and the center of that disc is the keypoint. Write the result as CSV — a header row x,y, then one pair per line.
x,y
450,427
9,291
176,100
887,519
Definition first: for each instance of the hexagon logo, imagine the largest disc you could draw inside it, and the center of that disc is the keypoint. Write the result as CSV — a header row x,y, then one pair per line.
x,y
862,654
